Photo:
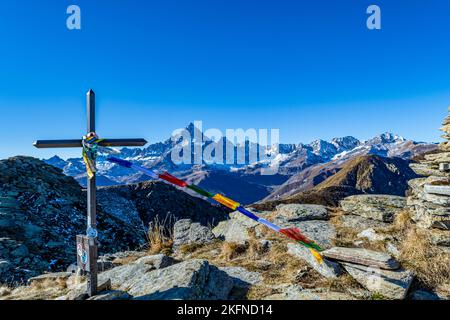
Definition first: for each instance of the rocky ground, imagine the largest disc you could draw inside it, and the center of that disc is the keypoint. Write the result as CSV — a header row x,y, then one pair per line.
x,y
373,250
42,210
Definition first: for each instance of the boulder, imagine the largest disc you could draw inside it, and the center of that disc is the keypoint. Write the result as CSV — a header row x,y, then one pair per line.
x,y
362,256
242,281
158,261
186,232
358,223
387,283
377,207
188,280
321,232
327,268
301,212
232,231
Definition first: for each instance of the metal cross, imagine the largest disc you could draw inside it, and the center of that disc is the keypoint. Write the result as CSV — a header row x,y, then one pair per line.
x,y
87,245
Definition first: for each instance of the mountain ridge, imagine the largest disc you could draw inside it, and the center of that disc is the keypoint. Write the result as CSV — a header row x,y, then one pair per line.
x,y
291,160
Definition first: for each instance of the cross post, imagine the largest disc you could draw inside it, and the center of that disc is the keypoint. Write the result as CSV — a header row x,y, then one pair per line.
x,y
92,205
87,245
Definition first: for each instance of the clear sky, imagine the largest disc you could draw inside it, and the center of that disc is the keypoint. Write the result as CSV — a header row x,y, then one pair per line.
x,y
310,68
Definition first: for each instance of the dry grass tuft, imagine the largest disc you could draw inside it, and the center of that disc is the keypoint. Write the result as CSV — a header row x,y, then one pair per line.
x,y
430,264
160,237
283,267
50,284
402,222
231,250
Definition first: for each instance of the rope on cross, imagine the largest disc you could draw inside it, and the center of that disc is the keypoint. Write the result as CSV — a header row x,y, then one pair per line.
x,y
87,245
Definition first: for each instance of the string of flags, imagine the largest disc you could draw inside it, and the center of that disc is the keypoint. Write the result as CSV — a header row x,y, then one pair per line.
x,y
292,233
90,144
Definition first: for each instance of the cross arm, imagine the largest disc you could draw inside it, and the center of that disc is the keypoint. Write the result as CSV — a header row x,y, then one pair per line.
x,y
77,143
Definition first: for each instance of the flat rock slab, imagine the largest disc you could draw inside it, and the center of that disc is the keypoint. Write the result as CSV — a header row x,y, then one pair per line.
x,y
441,200
440,190
362,256
359,223
377,207
425,170
327,268
387,283
302,212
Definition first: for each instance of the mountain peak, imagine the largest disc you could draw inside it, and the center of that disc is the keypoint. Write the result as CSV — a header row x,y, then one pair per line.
x,y
386,137
345,143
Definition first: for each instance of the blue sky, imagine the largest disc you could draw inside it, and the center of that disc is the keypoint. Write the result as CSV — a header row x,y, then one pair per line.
x,y
310,68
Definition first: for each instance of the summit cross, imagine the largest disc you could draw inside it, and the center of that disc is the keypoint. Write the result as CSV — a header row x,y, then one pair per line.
x,y
87,245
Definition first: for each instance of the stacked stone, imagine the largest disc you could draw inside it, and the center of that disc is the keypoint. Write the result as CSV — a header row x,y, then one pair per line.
x,y
429,197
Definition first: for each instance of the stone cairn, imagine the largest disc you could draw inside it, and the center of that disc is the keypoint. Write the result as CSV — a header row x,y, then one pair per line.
x,y
429,197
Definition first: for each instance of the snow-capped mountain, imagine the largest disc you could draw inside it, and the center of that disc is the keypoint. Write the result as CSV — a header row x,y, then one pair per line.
x,y
288,159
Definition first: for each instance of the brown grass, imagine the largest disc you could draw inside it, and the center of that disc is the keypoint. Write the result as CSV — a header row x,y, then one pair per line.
x,y
43,290
49,283
160,237
232,250
430,264
402,222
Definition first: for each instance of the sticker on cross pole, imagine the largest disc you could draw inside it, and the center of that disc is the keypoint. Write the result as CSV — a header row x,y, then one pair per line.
x,y
83,253
92,233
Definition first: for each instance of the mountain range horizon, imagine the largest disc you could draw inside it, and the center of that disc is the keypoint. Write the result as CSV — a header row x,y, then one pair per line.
x,y
312,163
